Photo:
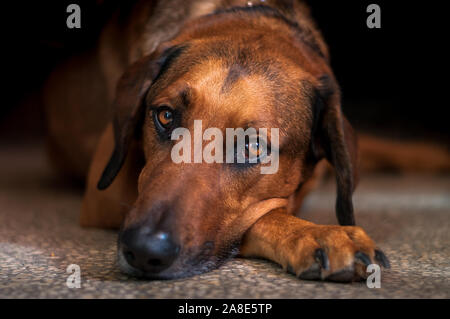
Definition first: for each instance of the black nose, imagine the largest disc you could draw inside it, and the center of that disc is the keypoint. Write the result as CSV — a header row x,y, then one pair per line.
x,y
151,252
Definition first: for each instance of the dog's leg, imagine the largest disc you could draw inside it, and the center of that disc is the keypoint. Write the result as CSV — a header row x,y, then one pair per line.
x,y
310,251
107,208
296,199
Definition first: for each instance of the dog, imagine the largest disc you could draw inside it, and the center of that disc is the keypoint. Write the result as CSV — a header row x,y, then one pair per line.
x,y
230,63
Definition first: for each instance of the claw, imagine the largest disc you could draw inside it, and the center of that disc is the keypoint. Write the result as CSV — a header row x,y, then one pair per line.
x,y
321,257
382,259
363,258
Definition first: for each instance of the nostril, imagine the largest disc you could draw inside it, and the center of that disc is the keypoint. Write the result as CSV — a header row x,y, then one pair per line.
x,y
129,256
155,262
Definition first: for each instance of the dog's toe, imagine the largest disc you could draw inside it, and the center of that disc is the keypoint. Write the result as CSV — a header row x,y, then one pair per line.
x,y
313,273
344,275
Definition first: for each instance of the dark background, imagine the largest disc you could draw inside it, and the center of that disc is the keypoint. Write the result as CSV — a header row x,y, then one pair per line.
x,y
392,78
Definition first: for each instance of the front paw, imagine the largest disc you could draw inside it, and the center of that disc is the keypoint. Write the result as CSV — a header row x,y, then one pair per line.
x,y
335,253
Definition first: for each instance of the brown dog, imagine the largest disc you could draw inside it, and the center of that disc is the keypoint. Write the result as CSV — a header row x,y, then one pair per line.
x,y
230,64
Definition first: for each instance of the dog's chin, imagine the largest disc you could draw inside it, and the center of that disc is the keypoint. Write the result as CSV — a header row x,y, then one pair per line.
x,y
178,270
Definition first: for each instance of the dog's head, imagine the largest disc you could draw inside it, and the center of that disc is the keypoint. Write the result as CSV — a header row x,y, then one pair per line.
x,y
229,71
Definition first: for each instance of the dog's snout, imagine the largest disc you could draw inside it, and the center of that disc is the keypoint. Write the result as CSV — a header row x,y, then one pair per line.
x,y
150,252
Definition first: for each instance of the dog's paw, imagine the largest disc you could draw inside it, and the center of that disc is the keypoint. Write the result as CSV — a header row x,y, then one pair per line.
x,y
335,253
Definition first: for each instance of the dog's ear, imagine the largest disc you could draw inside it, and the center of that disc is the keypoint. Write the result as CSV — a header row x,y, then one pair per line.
x,y
128,105
333,138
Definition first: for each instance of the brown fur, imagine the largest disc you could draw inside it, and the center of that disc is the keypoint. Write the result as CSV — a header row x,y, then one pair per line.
x,y
264,67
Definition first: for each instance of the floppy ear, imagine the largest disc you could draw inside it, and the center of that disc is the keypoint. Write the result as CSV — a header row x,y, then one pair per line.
x,y
335,140
128,106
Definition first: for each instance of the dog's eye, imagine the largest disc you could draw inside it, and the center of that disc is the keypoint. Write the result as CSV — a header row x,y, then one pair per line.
x,y
252,150
164,118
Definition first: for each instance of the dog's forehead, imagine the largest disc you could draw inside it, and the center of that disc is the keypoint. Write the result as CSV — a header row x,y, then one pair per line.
x,y
223,89
245,88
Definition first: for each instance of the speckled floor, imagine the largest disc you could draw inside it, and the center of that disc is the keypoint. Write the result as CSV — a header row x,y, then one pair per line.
x,y
409,217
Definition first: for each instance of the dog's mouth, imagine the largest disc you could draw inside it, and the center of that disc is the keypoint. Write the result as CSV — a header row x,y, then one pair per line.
x,y
150,253
190,262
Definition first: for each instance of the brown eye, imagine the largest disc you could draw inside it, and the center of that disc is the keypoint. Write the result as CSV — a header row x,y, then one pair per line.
x,y
252,150
164,118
